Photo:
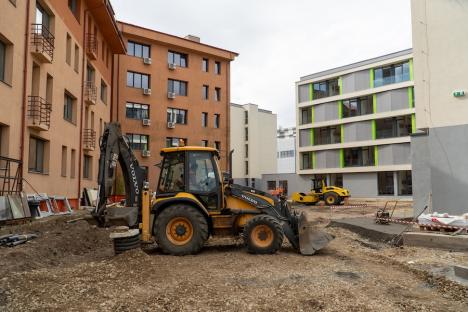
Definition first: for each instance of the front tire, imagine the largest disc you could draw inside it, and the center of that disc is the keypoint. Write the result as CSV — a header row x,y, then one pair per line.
x,y
181,230
263,234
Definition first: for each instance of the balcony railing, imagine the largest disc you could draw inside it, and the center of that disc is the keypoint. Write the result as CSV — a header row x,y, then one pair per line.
x,y
90,92
43,42
10,176
39,113
92,46
89,139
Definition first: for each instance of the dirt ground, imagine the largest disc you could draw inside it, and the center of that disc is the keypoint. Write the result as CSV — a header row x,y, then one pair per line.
x,y
71,267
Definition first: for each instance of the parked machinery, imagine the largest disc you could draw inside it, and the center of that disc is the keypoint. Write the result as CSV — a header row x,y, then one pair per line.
x,y
331,195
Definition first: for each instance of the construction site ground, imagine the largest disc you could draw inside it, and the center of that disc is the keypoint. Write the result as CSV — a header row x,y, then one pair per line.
x,y
71,267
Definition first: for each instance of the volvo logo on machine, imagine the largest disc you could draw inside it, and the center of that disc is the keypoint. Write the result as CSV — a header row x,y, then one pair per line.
x,y
250,200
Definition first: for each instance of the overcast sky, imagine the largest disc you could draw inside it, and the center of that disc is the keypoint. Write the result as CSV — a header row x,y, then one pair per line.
x,y
278,40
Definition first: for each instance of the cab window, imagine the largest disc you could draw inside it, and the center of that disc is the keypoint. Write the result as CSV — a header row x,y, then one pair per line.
x,y
202,176
172,173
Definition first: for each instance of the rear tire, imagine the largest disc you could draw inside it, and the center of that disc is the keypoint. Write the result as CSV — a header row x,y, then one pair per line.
x,y
263,234
331,198
180,230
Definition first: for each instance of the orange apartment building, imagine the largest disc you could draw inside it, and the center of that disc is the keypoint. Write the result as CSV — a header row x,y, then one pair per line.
x,y
171,88
56,76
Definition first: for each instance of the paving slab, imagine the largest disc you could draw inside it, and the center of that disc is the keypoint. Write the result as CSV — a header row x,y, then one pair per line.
x,y
436,240
368,228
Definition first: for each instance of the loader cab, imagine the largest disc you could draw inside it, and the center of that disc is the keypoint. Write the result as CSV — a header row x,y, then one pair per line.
x,y
192,170
318,184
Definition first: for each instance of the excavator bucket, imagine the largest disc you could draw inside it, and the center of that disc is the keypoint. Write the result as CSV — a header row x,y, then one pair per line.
x,y
312,237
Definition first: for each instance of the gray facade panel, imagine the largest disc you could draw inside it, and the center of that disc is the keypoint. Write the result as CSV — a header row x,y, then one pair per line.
x,y
440,169
361,184
401,154
303,93
333,158
304,137
356,81
296,183
392,100
385,155
321,159
358,131
326,111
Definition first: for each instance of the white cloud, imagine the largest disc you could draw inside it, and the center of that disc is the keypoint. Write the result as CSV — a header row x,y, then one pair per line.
x,y
279,41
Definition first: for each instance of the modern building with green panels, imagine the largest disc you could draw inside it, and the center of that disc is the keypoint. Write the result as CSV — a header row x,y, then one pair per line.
x,y
354,124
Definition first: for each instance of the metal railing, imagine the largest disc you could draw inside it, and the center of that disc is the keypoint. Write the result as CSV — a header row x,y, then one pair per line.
x,y
91,44
10,176
39,110
90,91
42,39
89,138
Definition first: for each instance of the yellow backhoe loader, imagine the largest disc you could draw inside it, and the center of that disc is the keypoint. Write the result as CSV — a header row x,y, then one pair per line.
x,y
192,201
331,195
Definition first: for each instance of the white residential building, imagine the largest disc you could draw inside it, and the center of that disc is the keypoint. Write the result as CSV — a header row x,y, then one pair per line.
x,y
286,147
253,139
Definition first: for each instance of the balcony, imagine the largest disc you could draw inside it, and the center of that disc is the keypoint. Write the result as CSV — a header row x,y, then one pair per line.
x,y
92,46
42,43
90,93
38,113
89,139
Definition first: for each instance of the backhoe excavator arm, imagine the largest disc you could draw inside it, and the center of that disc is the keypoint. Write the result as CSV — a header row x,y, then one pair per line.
x,y
115,149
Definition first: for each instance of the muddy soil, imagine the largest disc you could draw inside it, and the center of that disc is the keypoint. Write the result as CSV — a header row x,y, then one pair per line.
x,y
71,267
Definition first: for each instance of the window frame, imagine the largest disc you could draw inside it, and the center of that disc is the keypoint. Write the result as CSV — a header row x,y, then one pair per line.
x,y
217,68
177,86
136,112
175,113
177,58
68,107
3,46
205,65
133,85
131,51
131,141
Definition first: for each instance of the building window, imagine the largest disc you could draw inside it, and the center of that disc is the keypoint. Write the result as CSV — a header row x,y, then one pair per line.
x,y
306,160
204,143
205,92
178,59
204,120
283,184
391,74
216,120
42,18
2,60
246,150
359,156
37,154
327,135
247,168
385,183
103,92
138,80
177,86
306,115
136,111
138,141
138,49
13,2
76,63
72,163
271,185
174,142
393,127
286,154
178,116
69,108
326,88
87,167
246,117
217,94
217,145
246,133
68,50
205,65
73,5
357,107
404,183
217,68
64,161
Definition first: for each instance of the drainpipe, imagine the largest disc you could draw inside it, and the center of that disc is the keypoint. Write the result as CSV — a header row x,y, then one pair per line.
x,y
112,90
228,112
25,80
118,86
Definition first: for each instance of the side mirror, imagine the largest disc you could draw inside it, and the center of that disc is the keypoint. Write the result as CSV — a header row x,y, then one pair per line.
x,y
227,178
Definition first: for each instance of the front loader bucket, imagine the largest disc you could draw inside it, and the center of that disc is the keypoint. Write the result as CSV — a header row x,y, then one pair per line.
x,y
311,237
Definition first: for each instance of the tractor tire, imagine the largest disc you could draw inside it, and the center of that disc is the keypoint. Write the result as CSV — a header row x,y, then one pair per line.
x,y
331,199
181,230
126,243
263,234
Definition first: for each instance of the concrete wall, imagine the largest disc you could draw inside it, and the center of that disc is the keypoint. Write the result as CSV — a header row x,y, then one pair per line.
x,y
439,168
296,183
361,184
440,61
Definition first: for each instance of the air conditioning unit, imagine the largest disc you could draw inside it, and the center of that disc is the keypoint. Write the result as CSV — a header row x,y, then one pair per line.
x,y
147,91
146,122
171,95
147,60
171,66
171,125
145,153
